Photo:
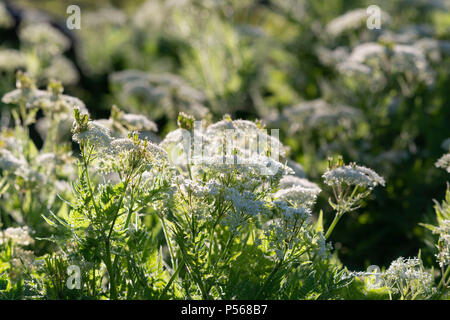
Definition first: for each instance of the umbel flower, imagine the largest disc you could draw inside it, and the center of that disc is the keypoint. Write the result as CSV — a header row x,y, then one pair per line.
x,y
132,121
351,184
290,181
444,162
351,20
93,133
20,236
45,38
298,196
408,278
11,163
353,175
11,60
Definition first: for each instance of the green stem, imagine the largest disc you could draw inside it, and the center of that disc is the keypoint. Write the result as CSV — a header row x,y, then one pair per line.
x,y
172,278
112,281
88,180
197,278
333,224
130,209
122,196
442,282
169,245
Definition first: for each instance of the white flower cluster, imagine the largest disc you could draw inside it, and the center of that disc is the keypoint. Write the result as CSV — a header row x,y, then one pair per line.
x,y
19,167
11,163
188,186
293,214
317,113
298,195
243,135
408,273
228,146
159,90
372,59
47,100
11,59
138,122
353,175
351,20
61,68
290,181
256,165
119,154
42,168
443,256
44,37
244,201
95,134
444,162
20,236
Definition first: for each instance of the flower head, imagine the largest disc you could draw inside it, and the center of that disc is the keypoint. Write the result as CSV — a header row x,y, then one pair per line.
x,y
353,175
444,162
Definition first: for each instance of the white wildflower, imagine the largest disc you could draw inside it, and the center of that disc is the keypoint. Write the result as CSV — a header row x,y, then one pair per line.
x,y
318,112
353,175
408,273
95,133
243,134
62,69
44,37
122,145
244,201
352,20
298,195
20,236
44,159
444,162
367,51
291,213
138,122
11,163
11,60
349,21
290,181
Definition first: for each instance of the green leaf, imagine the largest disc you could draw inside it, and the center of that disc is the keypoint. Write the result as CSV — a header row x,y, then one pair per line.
x,y
319,224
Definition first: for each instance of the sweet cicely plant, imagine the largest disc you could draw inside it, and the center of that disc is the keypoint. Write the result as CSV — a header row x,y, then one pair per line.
x,y
213,211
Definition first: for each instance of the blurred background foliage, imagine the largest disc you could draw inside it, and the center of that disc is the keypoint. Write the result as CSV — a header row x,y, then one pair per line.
x,y
311,68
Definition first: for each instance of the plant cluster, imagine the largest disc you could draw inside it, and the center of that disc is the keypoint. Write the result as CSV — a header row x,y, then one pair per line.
x,y
137,219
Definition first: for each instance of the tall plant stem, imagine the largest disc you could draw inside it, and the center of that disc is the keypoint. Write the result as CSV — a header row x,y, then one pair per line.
x,y
172,278
444,277
333,224
169,245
